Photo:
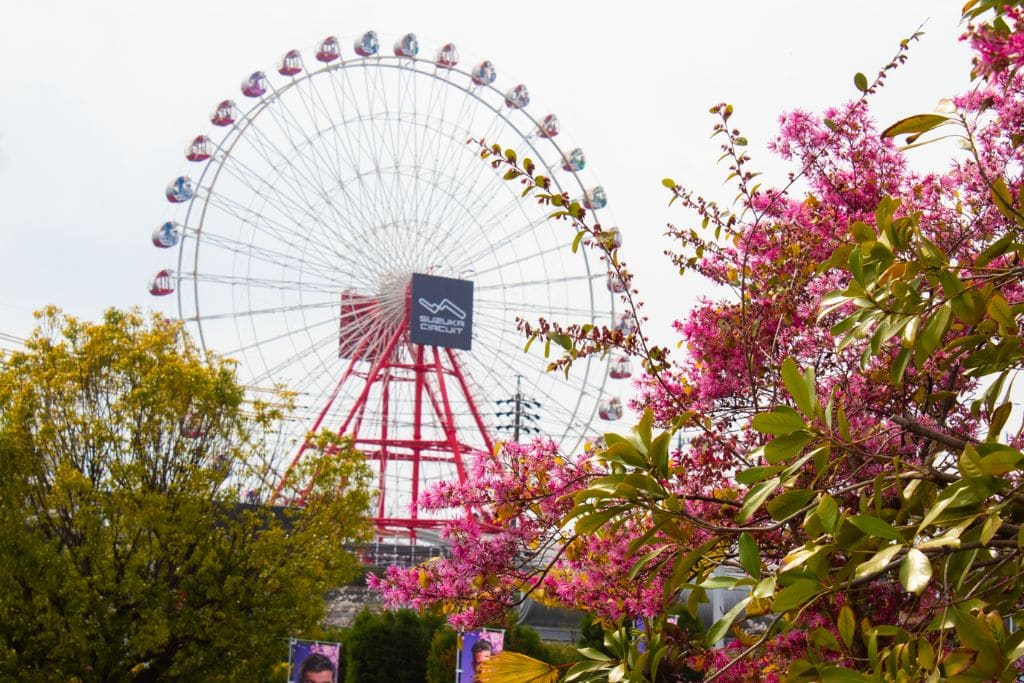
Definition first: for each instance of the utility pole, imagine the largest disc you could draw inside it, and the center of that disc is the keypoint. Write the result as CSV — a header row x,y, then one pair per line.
x,y
523,422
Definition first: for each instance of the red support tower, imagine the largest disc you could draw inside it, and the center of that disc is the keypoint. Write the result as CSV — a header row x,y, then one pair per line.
x,y
383,363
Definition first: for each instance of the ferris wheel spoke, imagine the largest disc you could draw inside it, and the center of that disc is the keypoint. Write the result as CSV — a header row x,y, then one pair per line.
x,y
489,134
287,123
273,310
342,143
413,132
248,217
288,200
312,100
532,283
365,143
456,157
276,370
529,307
540,254
437,150
283,193
284,232
269,256
373,142
278,159
313,349
276,338
465,167
308,176
293,91
258,283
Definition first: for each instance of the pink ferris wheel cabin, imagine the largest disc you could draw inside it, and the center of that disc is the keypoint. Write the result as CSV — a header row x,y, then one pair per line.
x,y
224,114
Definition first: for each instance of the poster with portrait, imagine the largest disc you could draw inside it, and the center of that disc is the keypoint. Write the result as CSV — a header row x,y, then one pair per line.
x,y
312,661
476,647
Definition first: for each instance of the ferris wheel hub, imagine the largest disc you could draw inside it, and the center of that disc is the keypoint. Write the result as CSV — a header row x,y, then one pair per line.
x,y
393,294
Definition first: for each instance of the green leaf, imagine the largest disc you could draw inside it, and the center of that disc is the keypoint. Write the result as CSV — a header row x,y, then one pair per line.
x,y
785,447
756,497
990,527
878,562
800,386
997,421
969,463
976,634
752,475
795,595
786,504
828,512
860,81
645,560
801,555
931,336
576,240
954,496
721,627
875,526
668,182
594,653
957,661
1002,461
1003,200
563,340
750,556
824,638
681,572
782,420
919,123
765,588
995,250
925,654
721,581
999,310
899,366
643,429
847,625
591,523
915,571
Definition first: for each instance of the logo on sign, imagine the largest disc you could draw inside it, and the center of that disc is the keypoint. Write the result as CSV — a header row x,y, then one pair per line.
x,y
442,312
445,305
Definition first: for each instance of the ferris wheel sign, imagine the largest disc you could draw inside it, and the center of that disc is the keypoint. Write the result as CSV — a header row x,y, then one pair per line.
x,y
441,312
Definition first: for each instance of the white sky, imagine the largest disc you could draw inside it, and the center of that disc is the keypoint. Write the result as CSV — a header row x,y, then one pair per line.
x,y
97,100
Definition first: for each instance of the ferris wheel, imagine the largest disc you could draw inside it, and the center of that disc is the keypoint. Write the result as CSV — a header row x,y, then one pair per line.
x,y
333,188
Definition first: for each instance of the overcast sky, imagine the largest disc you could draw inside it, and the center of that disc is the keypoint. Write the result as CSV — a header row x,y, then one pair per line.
x,y
97,100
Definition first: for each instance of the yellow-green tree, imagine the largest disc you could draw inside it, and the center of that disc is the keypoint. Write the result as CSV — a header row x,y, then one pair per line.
x,y
125,553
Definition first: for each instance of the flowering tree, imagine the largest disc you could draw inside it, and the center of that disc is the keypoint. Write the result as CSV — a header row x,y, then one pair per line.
x,y
126,555
847,397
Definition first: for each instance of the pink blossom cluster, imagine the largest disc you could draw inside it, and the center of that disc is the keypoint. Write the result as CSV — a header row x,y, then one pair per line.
x,y
510,537
770,663
997,50
508,510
